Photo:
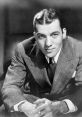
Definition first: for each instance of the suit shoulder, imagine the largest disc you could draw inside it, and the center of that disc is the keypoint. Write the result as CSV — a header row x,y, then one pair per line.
x,y
27,42
27,45
74,41
76,44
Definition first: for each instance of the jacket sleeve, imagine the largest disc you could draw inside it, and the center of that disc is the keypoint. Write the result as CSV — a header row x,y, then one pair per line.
x,y
14,80
76,96
74,89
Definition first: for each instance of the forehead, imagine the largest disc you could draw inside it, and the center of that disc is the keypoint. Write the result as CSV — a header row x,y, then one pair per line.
x,y
49,28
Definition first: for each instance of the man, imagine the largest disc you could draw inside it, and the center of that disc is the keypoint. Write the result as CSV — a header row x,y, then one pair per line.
x,y
29,87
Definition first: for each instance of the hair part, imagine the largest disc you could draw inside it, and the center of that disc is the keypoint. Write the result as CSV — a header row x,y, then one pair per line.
x,y
46,16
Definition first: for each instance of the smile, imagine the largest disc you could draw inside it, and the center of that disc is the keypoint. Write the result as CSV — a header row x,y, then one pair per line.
x,y
49,50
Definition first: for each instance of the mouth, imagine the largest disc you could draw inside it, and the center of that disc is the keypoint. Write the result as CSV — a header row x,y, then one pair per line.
x,y
49,50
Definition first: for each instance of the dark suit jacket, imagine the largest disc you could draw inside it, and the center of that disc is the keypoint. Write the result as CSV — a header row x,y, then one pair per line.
x,y
27,77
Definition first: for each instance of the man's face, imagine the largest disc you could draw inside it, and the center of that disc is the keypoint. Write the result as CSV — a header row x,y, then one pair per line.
x,y
49,38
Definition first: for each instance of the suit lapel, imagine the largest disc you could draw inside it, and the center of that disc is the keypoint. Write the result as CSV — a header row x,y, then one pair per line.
x,y
64,69
37,67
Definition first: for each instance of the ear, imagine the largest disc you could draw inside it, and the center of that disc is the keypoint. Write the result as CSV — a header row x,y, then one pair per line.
x,y
35,35
64,33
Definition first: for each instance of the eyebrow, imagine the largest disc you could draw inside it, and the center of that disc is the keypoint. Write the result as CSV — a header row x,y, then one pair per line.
x,y
57,32
40,34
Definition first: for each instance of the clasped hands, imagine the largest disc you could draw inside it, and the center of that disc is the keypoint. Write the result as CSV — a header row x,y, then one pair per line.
x,y
44,108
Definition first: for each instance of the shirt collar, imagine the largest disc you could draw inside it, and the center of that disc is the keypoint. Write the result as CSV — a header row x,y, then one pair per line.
x,y
54,59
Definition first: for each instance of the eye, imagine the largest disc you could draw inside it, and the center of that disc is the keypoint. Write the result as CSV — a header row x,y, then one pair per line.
x,y
41,36
54,35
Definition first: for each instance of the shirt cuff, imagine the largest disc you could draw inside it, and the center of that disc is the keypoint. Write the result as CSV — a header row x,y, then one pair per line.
x,y
71,106
16,105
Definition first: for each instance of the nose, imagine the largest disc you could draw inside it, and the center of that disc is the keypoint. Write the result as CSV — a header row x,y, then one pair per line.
x,y
48,41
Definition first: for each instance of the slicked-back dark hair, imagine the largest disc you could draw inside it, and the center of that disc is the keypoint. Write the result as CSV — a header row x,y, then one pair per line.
x,y
47,16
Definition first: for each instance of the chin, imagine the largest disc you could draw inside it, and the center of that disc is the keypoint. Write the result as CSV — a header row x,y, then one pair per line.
x,y
50,55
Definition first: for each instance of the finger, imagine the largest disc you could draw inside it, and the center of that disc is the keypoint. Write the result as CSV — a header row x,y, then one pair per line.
x,y
34,113
40,108
40,101
44,107
50,114
44,112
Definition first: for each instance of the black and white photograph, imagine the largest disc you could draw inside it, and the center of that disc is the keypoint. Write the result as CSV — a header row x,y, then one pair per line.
x,y
40,58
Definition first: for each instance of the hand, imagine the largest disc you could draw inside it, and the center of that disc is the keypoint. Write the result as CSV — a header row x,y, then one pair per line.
x,y
45,106
48,115
60,107
42,101
28,109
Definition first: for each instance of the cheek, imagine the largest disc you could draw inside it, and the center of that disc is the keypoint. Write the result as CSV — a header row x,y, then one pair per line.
x,y
41,43
57,42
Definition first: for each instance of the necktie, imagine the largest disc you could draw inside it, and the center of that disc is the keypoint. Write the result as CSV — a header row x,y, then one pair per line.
x,y
51,70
